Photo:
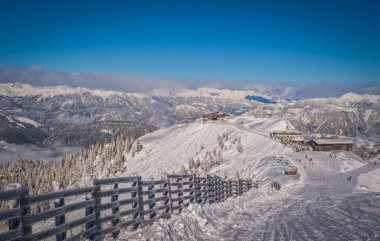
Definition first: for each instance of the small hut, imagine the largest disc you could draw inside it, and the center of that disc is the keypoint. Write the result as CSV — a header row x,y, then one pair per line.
x,y
215,116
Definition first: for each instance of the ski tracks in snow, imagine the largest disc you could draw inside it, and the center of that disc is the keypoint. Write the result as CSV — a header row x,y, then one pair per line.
x,y
344,217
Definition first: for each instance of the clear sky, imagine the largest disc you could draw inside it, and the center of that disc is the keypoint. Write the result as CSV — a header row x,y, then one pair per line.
x,y
260,41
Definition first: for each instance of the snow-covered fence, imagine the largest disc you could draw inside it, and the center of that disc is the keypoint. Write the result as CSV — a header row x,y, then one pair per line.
x,y
110,205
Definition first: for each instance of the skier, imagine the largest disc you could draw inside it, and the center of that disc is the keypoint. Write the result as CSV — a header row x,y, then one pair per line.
x,y
349,178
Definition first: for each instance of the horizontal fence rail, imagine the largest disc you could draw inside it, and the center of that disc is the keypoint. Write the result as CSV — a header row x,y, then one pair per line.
x,y
101,211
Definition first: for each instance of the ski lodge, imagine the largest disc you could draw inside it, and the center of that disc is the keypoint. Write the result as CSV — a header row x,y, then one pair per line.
x,y
216,116
330,145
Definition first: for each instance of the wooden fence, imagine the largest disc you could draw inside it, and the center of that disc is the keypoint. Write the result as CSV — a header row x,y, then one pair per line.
x,y
110,205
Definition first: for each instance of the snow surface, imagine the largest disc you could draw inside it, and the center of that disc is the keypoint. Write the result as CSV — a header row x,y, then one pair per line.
x,y
27,121
168,149
335,196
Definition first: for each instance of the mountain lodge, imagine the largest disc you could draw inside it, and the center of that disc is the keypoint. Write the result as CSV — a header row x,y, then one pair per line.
x,y
215,116
330,145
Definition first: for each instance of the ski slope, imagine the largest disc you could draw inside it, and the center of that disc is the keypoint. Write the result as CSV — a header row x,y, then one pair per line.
x,y
168,149
327,200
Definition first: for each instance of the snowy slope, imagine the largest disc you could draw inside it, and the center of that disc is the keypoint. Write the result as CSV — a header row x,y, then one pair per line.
x,y
333,197
168,149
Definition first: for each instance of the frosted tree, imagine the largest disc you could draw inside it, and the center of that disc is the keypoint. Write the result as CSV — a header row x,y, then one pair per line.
x,y
198,163
220,142
239,146
191,163
201,147
237,176
225,175
183,170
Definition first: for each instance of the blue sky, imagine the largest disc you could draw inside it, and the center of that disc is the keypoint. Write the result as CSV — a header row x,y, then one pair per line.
x,y
255,41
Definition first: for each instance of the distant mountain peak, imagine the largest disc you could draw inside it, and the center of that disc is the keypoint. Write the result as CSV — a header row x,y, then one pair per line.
x,y
18,89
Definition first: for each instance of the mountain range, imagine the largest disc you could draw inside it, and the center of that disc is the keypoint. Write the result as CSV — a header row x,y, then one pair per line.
x,y
348,115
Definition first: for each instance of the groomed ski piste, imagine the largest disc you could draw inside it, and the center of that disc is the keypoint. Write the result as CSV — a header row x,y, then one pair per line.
x,y
333,197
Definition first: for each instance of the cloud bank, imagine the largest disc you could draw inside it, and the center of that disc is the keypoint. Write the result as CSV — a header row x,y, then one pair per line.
x,y
40,76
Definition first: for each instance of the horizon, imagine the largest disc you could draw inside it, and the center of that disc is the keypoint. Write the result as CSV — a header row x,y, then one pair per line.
x,y
142,46
38,76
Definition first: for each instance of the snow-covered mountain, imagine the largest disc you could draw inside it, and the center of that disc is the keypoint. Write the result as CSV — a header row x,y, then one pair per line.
x,y
351,114
65,104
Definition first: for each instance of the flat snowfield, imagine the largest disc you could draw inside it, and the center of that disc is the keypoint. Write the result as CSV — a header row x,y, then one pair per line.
x,y
331,198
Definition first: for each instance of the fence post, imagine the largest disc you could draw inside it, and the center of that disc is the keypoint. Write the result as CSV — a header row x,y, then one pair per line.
x,y
223,190
60,219
180,194
210,190
205,190
115,222
90,211
192,186
234,187
135,204
98,200
140,203
25,210
229,188
150,197
240,186
213,188
168,200
170,194
195,185
14,223
217,189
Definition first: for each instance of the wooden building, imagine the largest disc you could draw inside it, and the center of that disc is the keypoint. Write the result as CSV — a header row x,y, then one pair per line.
x,y
297,140
330,145
215,116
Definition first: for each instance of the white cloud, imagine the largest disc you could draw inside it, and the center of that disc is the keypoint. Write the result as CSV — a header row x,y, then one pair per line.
x,y
40,76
